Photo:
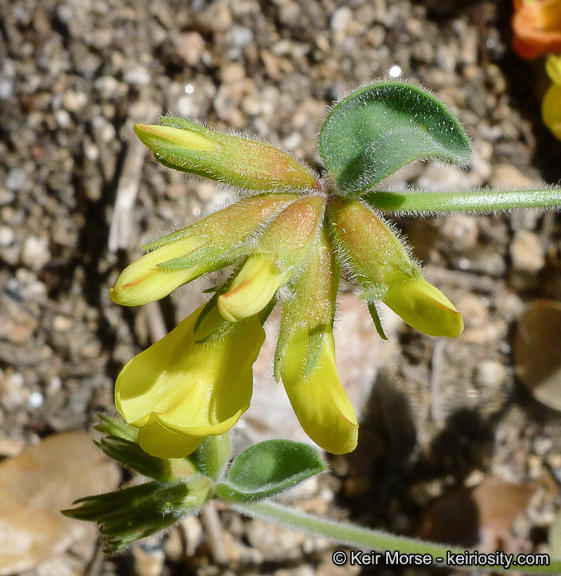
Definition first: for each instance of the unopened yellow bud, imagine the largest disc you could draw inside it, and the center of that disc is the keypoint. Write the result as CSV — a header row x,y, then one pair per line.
x,y
424,308
208,245
192,148
252,289
145,281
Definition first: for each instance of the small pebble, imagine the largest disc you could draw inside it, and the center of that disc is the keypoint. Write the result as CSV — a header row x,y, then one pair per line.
x,y
341,19
74,101
527,252
107,86
7,236
36,400
35,253
189,47
542,445
460,231
16,180
241,36
6,196
6,88
490,374
137,76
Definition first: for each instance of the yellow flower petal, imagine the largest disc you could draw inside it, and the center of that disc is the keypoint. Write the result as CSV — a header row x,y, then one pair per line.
x,y
190,388
252,289
424,308
163,443
319,401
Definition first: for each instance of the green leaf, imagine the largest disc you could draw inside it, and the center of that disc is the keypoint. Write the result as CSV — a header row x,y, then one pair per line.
x,y
268,468
382,127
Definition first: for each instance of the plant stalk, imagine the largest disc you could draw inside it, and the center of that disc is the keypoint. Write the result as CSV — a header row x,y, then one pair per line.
x,y
485,201
357,537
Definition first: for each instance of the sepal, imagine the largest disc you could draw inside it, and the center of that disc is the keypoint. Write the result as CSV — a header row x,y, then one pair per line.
x,y
312,305
139,511
211,456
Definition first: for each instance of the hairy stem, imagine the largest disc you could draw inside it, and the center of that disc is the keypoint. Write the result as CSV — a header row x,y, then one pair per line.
x,y
357,537
415,202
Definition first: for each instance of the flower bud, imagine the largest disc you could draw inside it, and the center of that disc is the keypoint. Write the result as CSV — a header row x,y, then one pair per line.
x,y
192,148
425,308
384,267
367,245
210,244
305,356
280,251
252,289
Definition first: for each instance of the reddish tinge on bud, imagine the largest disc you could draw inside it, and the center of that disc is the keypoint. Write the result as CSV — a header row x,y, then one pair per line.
x,y
208,245
278,254
382,264
242,162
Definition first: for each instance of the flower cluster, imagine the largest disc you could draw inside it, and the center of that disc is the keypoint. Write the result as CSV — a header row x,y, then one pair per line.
x,y
287,240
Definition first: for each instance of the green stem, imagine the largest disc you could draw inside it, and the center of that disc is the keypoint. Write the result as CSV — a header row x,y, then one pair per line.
x,y
470,201
357,537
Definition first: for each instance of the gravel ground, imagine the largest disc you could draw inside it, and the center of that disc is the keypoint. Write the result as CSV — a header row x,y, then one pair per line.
x,y
442,416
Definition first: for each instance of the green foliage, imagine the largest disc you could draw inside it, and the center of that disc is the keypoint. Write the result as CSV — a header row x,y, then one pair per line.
x,y
268,468
133,513
381,128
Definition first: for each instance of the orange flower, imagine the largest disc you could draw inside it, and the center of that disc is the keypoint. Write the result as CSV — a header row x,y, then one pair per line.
x,y
537,27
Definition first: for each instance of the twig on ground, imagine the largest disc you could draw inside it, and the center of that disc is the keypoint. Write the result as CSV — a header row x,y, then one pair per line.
x,y
213,529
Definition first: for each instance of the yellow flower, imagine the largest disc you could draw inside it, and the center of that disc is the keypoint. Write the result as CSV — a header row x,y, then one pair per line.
x,y
319,400
181,390
305,356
